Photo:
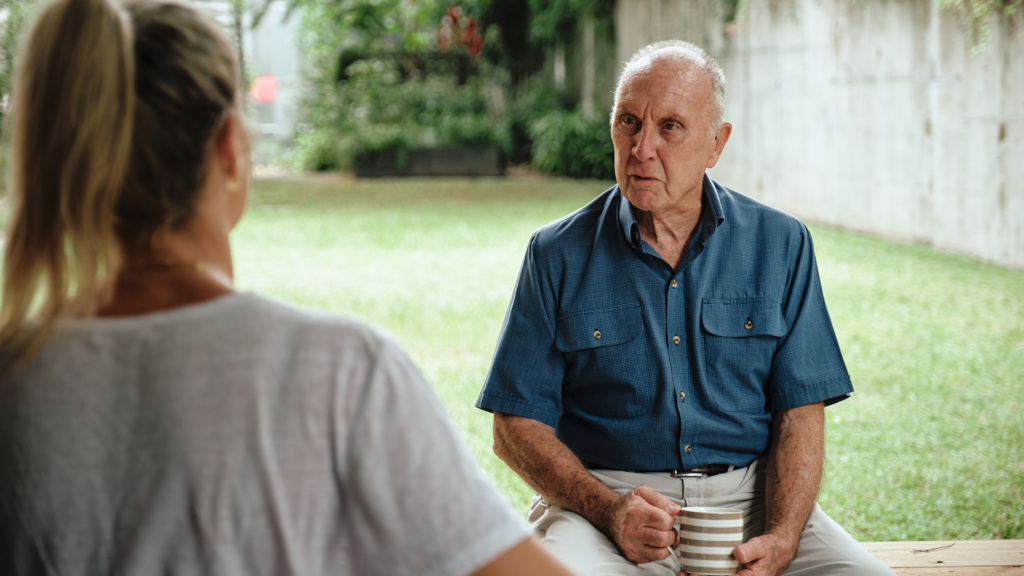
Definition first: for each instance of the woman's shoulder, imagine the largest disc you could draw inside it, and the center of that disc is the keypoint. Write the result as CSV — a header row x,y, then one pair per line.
x,y
267,308
235,322
256,312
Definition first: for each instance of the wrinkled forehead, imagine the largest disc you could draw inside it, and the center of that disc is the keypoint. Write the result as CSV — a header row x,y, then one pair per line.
x,y
670,77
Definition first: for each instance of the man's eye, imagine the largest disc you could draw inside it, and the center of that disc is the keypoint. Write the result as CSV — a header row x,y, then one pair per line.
x,y
628,120
671,126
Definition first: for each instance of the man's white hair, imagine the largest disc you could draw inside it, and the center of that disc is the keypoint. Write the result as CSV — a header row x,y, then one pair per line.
x,y
687,50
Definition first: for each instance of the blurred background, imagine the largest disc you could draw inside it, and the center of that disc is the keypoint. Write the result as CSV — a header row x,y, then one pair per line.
x,y
900,118
405,151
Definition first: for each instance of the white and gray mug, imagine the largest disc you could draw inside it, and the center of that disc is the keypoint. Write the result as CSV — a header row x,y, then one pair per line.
x,y
707,537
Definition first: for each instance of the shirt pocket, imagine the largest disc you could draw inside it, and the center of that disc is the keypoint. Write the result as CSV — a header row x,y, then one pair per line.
x,y
740,336
599,328
601,348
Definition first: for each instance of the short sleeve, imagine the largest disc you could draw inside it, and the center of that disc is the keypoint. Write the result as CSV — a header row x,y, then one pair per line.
x,y
527,370
808,365
417,501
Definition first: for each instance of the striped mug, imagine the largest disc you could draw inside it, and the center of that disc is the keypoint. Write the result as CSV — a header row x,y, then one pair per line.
x,y
707,537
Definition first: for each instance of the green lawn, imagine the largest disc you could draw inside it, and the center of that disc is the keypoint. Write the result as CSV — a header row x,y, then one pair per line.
x,y
930,447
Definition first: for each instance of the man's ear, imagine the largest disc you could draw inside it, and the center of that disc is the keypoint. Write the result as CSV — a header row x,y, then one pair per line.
x,y
721,137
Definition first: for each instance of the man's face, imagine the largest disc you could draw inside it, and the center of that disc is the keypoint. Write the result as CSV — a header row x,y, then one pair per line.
x,y
660,131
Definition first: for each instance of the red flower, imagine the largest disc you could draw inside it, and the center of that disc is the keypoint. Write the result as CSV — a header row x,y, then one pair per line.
x,y
461,30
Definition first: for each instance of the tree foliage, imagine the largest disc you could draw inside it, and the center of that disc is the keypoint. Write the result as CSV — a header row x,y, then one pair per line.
x,y
396,74
549,19
977,16
12,17
13,14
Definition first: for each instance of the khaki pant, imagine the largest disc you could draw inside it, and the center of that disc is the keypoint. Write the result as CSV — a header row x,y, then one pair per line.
x,y
825,548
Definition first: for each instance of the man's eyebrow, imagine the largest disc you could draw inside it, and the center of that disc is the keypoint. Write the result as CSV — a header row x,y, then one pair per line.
x,y
622,110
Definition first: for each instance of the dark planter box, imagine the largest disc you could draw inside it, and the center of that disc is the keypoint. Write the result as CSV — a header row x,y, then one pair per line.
x,y
449,161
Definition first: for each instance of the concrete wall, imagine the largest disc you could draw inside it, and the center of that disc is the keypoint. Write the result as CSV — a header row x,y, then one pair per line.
x,y
640,22
874,115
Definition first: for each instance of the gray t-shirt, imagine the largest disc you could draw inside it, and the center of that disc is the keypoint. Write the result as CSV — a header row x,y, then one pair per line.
x,y
238,436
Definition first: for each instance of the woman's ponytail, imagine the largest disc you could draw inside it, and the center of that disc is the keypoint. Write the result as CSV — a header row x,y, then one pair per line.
x,y
70,129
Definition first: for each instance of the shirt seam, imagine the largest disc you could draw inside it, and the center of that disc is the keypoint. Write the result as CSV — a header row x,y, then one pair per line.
x,y
799,397
525,410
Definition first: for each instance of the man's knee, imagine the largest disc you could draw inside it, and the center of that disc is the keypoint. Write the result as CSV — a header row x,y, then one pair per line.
x,y
585,550
827,549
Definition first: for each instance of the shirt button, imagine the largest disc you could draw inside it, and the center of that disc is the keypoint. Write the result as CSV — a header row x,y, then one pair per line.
x,y
675,283
687,448
748,325
682,395
597,334
676,340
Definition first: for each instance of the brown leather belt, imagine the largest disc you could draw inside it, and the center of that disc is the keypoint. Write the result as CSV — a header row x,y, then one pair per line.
x,y
698,472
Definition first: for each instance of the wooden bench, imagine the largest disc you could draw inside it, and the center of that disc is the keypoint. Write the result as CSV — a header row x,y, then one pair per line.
x,y
959,558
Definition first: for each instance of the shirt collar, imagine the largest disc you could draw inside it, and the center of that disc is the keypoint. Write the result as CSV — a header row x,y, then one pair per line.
x,y
711,215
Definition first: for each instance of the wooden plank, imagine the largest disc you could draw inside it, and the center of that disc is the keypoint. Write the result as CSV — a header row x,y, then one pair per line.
x,y
968,553
961,571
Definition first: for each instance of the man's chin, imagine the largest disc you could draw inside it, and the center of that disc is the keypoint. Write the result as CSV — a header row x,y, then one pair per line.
x,y
643,197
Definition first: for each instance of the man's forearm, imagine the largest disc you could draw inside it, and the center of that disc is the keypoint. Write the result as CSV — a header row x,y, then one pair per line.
x,y
532,450
794,470
639,522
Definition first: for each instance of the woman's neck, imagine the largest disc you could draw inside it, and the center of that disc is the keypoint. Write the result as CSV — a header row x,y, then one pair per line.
x,y
176,269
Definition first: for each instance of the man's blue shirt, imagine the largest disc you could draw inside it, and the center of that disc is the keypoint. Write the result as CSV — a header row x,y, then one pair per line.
x,y
641,367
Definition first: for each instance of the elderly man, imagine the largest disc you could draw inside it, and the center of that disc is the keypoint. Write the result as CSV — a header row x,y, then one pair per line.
x,y
668,345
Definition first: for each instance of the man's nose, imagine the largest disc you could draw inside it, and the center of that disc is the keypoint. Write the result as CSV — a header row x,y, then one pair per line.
x,y
645,147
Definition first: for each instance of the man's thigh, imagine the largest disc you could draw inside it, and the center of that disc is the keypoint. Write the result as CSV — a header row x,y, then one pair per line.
x,y
825,549
585,549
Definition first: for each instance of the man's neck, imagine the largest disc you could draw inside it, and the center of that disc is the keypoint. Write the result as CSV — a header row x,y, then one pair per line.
x,y
670,234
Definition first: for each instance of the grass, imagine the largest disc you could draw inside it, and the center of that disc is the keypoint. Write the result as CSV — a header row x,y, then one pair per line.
x,y
930,447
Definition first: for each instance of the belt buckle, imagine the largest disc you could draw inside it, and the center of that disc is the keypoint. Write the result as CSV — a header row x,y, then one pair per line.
x,y
688,474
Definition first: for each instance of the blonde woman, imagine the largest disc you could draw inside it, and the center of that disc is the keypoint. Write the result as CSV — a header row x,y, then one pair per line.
x,y
152,419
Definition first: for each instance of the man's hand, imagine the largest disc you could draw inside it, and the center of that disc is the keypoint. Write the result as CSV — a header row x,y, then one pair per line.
x,y
642,525
794,475
767,555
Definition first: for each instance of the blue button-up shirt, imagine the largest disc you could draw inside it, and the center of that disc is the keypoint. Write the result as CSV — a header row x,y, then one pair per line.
x,y
639,366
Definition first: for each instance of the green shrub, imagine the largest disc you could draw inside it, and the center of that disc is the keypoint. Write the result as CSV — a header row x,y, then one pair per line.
x,y
378,108
471,130
320,151
573,144
532,102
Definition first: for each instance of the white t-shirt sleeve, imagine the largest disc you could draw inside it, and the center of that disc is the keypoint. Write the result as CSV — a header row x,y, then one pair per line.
x,y
418,502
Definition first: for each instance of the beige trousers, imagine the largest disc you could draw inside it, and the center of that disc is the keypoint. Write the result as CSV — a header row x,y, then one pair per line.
x,y
825,548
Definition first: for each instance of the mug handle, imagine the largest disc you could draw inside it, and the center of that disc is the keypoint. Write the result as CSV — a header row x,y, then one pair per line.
x,y
676,525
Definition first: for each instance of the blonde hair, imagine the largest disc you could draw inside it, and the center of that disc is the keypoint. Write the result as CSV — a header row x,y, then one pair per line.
x,y
111,118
